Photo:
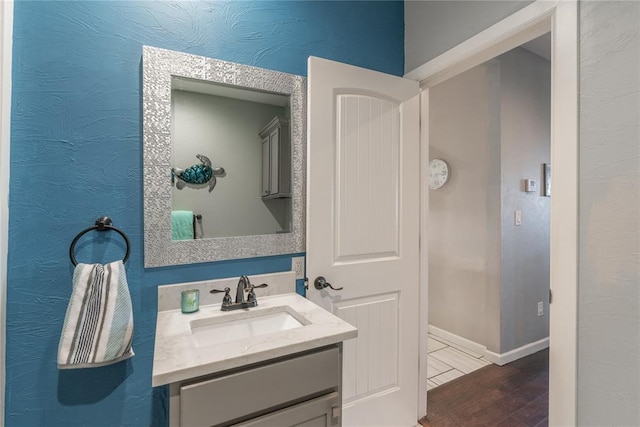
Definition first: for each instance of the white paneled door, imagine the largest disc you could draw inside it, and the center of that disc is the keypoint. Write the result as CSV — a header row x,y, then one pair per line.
x,y
363,205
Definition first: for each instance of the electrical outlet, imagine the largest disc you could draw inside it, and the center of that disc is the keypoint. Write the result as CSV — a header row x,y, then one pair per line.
x,y
297,265
540,308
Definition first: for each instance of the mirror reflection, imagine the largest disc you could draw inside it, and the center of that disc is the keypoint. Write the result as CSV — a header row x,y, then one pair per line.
x,y
225,144
230,155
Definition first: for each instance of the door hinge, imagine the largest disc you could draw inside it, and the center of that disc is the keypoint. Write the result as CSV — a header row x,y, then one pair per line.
x,y
550,296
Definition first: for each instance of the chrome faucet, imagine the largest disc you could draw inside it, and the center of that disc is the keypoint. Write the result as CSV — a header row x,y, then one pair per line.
x,y
243,285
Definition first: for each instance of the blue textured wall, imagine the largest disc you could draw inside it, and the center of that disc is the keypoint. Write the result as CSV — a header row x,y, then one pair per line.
x,y
76,154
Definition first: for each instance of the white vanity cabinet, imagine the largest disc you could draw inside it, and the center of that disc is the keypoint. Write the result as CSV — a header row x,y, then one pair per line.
x,y
291,376
276,159
302,389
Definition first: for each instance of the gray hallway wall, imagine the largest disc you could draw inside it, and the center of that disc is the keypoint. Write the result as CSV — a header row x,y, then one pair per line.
x,y
433,27
525,114
486,275
464,220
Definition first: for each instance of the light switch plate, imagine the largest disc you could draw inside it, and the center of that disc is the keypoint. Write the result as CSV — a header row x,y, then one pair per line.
x,y
517,217
530,185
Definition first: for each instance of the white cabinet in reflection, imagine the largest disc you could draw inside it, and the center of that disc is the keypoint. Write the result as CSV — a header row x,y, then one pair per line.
x,y
276,159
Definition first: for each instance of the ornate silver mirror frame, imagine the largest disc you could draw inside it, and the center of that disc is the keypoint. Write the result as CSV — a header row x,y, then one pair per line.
x,y
158,67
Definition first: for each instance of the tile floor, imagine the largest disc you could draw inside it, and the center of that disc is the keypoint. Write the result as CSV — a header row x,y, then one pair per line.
x,y
448,361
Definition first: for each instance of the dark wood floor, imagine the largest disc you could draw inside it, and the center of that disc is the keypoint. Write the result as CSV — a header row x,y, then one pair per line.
x,y
513,395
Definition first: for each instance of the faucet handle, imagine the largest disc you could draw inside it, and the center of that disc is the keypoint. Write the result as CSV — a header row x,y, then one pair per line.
x,y
226,299
252,295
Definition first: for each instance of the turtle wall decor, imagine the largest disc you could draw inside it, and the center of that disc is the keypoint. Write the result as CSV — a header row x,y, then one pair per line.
x,y
200,173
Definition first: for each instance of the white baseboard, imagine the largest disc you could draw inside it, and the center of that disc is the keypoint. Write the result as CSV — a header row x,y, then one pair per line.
x,y
458,340
517,353
497,358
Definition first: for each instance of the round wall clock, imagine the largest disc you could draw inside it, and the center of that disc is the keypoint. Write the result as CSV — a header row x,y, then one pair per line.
x,y
438,173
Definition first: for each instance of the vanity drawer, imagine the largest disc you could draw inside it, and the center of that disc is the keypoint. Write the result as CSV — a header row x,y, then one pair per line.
x,y
253,391
324,411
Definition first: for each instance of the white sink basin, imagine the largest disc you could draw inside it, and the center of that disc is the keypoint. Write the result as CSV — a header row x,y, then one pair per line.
x,y
209,341
218,330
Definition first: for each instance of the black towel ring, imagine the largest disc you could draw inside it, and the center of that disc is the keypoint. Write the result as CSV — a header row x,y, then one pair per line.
x,y
102,224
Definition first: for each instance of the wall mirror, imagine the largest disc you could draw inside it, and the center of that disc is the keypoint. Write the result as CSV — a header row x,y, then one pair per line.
x,y
224,149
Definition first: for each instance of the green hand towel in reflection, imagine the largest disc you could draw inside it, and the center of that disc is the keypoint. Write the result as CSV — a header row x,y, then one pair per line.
x,y
181,225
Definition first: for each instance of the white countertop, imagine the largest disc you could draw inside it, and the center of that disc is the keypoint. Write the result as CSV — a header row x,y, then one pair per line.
x,y
176,356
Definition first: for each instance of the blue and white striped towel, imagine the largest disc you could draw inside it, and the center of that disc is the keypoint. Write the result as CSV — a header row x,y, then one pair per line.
x,y
98,326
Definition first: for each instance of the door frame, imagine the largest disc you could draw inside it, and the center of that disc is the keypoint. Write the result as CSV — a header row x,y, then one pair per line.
x,y
6,39
560,17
